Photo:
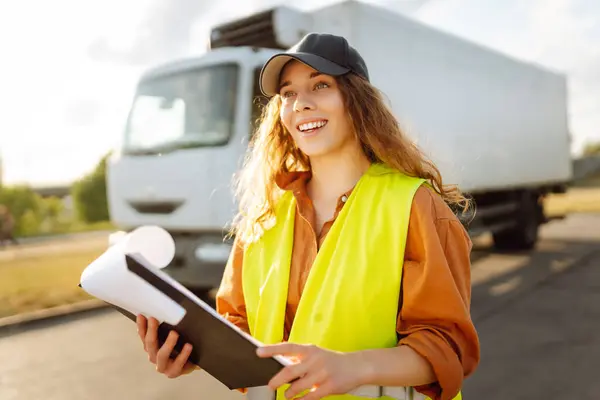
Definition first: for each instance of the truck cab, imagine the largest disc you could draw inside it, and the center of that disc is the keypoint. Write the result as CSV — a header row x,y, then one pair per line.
x,y
185,136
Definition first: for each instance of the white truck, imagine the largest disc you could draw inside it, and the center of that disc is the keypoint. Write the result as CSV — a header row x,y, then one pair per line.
x,y
494,125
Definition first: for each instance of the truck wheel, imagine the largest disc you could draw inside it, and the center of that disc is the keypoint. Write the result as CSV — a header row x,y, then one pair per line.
x,y
524,235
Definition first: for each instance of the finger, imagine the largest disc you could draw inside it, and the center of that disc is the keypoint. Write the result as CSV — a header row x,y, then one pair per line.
x,y
141,323
318,393
162,357
285,349
177,366
308,381
288,374
151,339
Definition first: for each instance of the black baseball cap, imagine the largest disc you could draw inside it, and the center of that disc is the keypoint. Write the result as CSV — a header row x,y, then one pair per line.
x,y
326,53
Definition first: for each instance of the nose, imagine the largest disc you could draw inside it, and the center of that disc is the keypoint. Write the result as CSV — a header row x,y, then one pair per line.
x,y
303,102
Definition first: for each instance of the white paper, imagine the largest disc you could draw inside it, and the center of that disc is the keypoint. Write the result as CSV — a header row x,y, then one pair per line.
x,y
108,278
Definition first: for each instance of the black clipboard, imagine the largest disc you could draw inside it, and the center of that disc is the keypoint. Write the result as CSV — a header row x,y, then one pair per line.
x,y
218,347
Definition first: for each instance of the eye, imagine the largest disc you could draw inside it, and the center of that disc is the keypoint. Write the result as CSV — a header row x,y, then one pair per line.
x,y
287,94
321,85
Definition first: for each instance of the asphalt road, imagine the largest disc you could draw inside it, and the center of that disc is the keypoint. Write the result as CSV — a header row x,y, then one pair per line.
x,y
537,315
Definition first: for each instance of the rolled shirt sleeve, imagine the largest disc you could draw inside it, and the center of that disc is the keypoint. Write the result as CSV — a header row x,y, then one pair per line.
x,y
434,318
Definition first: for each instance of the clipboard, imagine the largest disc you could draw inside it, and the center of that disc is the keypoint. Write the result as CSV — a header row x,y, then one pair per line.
x,y
218,347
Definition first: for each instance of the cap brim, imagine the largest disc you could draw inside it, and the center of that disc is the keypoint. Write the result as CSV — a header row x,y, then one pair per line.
x,y
269,75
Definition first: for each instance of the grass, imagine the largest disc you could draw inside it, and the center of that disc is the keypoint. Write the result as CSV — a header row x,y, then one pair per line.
x,y
38,277
576,200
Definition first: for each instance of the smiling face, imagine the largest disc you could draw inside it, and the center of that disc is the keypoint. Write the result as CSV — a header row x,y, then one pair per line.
x,y
313,111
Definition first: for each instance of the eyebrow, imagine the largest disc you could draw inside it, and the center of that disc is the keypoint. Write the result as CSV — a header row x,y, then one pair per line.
x,y
287,83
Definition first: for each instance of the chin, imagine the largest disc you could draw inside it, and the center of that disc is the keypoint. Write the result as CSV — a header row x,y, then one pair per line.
x,y
321,144
315,150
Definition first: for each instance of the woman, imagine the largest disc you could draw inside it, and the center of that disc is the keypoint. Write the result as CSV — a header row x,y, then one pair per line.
x,y
347,256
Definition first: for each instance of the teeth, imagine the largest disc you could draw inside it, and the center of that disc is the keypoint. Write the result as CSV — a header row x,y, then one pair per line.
x,y
311,125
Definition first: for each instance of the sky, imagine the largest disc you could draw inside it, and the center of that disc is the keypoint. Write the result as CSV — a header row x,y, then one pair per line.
x,y
70,67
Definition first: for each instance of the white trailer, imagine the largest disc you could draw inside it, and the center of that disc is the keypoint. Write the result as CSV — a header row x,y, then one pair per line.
x,y
494,125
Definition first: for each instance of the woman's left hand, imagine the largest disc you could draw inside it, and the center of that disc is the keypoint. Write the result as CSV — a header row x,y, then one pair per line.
x,y
323,371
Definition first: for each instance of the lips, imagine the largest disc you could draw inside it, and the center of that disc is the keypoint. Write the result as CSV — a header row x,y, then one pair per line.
x,y
311,126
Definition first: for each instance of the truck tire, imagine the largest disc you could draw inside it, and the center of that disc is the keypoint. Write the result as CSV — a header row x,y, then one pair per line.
x,y
524,235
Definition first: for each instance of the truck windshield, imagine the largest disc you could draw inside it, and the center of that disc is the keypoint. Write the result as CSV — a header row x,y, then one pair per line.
x,y
192,108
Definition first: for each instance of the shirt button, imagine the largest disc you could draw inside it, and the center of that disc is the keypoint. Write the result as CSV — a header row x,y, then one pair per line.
x,y
344,198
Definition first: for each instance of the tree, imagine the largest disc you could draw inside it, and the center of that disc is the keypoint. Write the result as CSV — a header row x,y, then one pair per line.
x,y
25,206
89,194
592,149
52,211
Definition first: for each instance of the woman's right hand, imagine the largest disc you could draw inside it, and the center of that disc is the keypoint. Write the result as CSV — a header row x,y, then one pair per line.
x,y
172,368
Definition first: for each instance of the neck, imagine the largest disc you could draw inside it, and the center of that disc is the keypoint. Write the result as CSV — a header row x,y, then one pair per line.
x,y
333,175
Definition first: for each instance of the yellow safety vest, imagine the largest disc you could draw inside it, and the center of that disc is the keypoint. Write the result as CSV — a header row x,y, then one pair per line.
x,y
350,299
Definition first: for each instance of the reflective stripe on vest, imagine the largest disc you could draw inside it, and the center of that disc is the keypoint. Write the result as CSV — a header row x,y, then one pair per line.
x,y
367,392
350,298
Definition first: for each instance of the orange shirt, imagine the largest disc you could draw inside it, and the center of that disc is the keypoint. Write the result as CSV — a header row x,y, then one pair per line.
x,y
434,317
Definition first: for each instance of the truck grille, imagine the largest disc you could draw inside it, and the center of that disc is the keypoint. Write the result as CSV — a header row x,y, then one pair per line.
x,y
155,207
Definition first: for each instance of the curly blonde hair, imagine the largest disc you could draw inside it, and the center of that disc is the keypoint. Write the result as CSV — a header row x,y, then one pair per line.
x,y
272,151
